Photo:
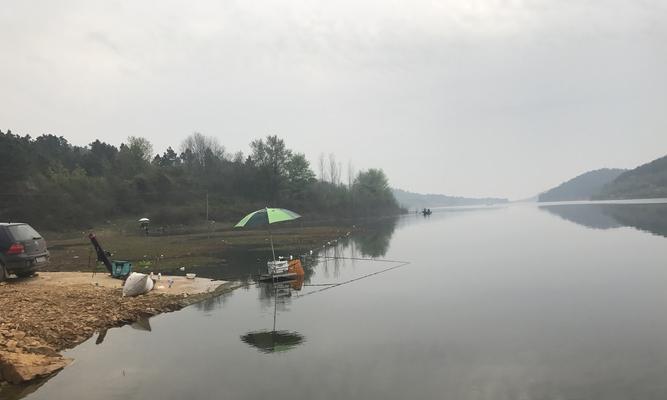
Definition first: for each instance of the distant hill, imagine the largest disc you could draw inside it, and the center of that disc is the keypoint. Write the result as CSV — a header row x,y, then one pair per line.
x,y
418,200
582,187
646,181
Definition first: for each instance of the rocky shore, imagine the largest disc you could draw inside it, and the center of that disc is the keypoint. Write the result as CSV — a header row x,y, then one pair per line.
x,y
55,311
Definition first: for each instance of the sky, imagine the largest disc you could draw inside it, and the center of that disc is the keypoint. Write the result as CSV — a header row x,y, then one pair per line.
x,y
501,98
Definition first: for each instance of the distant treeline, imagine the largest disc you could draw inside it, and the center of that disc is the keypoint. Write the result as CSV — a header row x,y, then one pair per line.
x,y
418,200
53,184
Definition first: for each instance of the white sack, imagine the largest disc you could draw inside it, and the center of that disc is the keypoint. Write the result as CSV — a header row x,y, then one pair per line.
x,y
137,284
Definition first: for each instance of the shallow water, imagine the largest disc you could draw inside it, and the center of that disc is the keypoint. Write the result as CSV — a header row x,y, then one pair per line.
x,y
516,302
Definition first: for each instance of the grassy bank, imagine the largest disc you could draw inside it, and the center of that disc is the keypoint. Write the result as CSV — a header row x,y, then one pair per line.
x,y
166,249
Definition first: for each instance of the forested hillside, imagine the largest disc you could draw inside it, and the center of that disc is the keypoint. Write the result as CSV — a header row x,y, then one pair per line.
x,y
582,187
646,181
53,184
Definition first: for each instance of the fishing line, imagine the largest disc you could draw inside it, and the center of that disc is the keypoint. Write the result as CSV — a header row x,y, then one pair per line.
x,y
333,285
360,259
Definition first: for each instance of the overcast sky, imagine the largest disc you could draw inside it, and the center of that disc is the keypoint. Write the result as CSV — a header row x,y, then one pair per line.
x,y
476,98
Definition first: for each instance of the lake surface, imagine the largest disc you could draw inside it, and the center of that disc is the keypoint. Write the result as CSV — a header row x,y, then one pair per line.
x,y
517,302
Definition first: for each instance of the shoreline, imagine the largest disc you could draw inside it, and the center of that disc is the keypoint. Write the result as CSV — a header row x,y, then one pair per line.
x,y
48,314
60,308
190,247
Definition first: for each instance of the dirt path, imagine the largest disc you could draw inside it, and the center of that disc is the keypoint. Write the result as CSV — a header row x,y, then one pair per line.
x,y
43,315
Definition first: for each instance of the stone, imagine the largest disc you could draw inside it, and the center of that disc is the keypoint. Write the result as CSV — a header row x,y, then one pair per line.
x,y
18,368
44,350
11,345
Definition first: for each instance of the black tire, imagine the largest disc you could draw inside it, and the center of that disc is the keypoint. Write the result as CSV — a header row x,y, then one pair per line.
x,y
3,272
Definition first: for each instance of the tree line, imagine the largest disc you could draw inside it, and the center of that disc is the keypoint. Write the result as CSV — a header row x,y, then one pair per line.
x,y
48,182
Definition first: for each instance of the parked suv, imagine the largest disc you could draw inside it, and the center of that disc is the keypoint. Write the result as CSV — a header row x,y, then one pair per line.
x,y
22,250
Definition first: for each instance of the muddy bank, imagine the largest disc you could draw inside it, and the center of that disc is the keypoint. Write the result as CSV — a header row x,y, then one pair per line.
x,y
55,311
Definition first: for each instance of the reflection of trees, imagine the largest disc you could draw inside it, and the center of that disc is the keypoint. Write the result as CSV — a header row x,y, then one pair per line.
x,y
371,241
646,217
213,303
244,264
374,240
589,215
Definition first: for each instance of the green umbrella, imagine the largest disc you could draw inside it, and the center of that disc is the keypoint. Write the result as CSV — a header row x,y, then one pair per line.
x,y
267,216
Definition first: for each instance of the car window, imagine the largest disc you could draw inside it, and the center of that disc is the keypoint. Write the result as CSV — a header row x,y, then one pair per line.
x,y
23,232
4,238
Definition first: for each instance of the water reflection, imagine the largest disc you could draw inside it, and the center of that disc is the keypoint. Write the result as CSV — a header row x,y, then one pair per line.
x,y
646,217
142,324
245,264
546,312
213,303
374,241
275,340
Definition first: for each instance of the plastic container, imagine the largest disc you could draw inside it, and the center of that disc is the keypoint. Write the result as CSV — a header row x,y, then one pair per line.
x,y
120,268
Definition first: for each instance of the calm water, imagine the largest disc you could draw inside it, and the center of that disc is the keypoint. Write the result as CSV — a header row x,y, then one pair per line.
x,y
519,302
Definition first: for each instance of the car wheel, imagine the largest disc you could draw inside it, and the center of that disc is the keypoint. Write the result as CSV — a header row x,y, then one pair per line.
x,y
3,272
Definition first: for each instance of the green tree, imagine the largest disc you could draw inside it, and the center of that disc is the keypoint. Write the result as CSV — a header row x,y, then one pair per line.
x,y
271,158
372,192
299,174
140,147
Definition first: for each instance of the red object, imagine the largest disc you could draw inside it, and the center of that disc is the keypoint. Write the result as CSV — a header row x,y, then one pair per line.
x,y
15,248
295,267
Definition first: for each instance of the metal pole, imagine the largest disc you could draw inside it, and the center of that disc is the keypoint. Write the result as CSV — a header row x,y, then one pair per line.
x,y
268,224
272,250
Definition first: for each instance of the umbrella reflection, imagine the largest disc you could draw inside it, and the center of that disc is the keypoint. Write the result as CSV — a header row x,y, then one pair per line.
x,y
276,340
273,341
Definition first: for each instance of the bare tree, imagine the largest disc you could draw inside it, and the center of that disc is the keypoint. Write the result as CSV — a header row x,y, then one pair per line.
x,y
350,174
340,172
199,145
323,168
334,172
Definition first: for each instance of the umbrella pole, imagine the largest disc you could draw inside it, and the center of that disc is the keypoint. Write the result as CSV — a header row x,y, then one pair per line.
x,y
270,235
272,250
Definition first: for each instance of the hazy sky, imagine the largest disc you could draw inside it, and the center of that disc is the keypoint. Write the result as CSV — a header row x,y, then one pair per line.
x,y
476,98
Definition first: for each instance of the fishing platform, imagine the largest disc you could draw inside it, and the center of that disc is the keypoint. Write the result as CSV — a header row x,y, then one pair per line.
x,y
282,270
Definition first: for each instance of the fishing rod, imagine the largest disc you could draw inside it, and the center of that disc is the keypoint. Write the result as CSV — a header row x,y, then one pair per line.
x,y
334,285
